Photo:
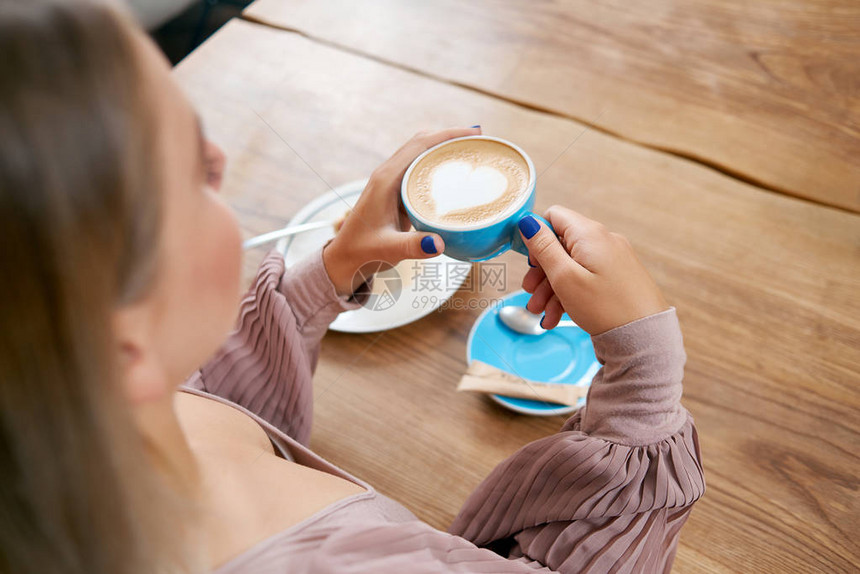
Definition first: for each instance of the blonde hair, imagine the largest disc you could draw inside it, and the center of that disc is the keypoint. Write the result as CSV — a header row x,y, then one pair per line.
x,y
79,228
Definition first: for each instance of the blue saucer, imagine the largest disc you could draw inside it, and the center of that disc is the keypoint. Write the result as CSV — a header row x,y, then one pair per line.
x,y
564,355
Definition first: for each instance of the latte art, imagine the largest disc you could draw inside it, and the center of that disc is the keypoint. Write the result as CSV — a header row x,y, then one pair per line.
x,y
468,182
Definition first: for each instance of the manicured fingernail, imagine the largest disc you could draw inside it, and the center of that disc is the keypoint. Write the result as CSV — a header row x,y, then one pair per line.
x,y
427,244
541,322
528,226
529,261
476,126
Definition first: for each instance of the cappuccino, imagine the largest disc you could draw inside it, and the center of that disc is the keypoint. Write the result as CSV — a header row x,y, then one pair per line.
x,y
468,182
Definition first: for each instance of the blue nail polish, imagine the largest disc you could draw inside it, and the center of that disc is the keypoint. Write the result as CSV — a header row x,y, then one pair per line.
x,y
528,226
476,126
530,263
541,322
427,245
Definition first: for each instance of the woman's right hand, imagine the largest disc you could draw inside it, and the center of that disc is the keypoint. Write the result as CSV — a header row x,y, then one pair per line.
x,y
588,272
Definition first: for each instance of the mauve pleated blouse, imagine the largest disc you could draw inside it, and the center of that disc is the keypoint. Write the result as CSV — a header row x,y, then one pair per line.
x,y
608,493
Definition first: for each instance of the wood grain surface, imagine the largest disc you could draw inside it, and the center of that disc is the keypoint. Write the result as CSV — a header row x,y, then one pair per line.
x,y
767,90
767,288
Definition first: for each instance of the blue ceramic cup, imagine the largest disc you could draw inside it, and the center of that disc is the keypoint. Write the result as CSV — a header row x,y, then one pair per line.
x,y
485,240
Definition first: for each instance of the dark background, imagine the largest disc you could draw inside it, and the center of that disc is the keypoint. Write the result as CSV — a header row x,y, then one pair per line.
x,y
179,36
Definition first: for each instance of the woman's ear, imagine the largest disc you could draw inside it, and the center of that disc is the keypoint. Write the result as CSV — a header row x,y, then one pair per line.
x,y
141,369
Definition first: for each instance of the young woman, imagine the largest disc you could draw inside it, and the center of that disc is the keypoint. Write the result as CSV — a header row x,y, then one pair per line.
x,y
120,453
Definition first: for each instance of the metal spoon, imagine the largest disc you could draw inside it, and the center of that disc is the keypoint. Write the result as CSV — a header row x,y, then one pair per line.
x,y
523,321
275,235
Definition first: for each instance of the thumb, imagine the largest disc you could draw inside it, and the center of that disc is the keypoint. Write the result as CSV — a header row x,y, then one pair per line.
x,y
544,247
414,245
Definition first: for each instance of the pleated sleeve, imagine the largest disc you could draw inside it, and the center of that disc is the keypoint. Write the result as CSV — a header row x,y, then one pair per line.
x,y
267,362
610,492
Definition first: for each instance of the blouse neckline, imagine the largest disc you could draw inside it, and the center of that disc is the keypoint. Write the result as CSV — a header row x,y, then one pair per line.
x,y
289,444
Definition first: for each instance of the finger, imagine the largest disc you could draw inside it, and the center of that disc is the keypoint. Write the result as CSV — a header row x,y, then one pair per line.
x,y
588,241
562,219
396,166
543,293
546,250
423,141
572,226
552,313
532,279
411,245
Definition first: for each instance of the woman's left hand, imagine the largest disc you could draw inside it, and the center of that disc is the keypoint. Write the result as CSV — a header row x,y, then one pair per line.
x,y
375,235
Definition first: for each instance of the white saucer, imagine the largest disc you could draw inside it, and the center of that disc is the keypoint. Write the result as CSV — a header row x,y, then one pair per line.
x,y
409,291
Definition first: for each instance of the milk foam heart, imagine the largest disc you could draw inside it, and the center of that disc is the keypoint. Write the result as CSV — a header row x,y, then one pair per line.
x,y
468,182
459,185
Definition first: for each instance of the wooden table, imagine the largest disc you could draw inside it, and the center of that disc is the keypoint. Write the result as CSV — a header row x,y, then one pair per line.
x,y
767,91
767,286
